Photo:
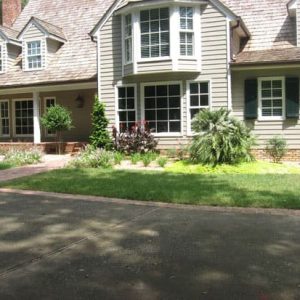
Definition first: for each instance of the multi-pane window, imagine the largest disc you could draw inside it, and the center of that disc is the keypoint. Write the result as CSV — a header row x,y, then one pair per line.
x,y
4,118
271,97
199,97
186,31
163,108
126,107
1,58
155,33
34,55
24,117
128,38
49,102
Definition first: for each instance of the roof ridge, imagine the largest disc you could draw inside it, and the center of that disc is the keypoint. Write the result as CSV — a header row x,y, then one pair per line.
x,y
41,20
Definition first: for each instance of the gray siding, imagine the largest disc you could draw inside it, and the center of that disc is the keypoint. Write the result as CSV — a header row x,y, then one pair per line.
x,y
213,64
13,53
161,66
264,130
298,23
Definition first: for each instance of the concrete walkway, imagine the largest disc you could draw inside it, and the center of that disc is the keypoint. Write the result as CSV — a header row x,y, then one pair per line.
x,y
50,162
64,247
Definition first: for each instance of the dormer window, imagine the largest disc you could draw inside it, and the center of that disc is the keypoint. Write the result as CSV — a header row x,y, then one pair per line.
x,y
155,33
186,31
34,55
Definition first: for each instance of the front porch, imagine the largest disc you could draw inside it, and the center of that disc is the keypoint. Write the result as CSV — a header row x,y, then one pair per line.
x,y
21,109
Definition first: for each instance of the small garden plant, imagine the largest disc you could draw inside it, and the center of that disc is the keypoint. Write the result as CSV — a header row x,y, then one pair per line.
x,y
162,161
92,157
135,158
276,148
118,157
57,119
19,158
220,138
137,139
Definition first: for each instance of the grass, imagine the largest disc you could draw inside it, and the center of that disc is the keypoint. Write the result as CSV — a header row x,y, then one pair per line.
x,y
242,190
258,167
5,165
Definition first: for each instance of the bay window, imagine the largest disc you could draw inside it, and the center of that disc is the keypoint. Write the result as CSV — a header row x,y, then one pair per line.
x,y
186,31
162,107
128,38
155,32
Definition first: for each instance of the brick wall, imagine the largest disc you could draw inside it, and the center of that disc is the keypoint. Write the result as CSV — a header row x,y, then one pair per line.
x,y
11,9
292,155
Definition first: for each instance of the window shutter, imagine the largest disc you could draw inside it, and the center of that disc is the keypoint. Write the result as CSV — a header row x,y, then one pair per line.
x,y
292,97
251,99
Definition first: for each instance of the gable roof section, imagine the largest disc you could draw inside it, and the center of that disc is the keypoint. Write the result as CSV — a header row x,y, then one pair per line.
x,y
120,4
9,35
76,59
47,28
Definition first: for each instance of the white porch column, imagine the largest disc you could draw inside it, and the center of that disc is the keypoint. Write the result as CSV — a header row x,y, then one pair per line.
x,y
36,118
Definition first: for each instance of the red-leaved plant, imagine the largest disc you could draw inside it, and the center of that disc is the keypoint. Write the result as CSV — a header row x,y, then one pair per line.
x,y
137,139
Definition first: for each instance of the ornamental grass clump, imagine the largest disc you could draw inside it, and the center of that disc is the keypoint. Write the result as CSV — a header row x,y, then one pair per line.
x,y
92,157
220,138
15,157
162,161
276,148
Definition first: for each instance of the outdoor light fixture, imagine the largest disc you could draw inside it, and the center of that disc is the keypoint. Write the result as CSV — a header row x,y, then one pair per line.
x,y
80,101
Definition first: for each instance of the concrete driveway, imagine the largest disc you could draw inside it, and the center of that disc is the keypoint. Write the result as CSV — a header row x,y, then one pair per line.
x,y
54,248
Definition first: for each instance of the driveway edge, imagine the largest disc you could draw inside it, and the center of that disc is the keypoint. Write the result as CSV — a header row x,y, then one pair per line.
x,y
246,210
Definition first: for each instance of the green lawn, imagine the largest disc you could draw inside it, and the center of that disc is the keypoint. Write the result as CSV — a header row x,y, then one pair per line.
x,y
244,190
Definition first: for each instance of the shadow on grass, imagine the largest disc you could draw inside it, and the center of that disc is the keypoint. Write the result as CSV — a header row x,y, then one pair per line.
x,y
278,191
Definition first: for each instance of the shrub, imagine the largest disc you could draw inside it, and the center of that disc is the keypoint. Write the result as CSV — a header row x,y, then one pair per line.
x,y
276,148
57,119
118,157
92,157
15,157
162,161
137,139
135,158
147,158
220,138
100,136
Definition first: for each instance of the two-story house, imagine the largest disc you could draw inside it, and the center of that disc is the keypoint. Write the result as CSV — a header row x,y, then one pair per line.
x,y
157,61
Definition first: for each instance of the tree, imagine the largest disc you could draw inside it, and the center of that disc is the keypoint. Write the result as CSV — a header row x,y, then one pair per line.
x,y
57,119
100,136
220,138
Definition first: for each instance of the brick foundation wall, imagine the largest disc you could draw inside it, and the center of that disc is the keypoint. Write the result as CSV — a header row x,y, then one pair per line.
x,y
292,155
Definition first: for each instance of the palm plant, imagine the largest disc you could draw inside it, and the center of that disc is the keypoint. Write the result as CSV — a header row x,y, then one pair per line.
x,y
220,138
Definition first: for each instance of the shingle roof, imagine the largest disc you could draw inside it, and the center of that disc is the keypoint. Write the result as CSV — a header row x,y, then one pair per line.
x,y
10,33
285,55
48,27
76,59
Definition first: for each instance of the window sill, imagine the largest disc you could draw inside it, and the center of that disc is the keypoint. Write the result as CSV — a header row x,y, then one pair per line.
x,y
193,58
166,58
168,135
270,119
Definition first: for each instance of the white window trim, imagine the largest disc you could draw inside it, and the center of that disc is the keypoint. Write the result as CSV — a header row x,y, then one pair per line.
x,y
3,57
9,120
45,108
271,118
14,117
26,53
188,106
120,85
187,31
174,33
164,134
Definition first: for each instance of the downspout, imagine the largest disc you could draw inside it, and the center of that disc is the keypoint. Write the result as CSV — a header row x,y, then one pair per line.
x,y
229,89
99,64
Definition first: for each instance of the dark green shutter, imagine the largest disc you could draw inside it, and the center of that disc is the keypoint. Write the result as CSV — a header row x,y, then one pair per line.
x,y
251,99
292,97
